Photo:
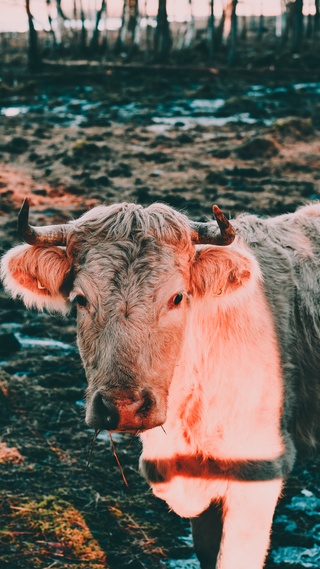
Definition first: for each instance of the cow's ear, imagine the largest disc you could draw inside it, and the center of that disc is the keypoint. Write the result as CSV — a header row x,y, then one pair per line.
x,y
41,276
222,271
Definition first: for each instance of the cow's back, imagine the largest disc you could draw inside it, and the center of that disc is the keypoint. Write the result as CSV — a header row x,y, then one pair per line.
x,y
288,250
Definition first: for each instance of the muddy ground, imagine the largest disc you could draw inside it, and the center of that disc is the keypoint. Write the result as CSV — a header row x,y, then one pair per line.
x,y
244,141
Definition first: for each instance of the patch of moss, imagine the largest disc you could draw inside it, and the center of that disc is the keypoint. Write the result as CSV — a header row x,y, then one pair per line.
x,y
50,528
80,147
294,126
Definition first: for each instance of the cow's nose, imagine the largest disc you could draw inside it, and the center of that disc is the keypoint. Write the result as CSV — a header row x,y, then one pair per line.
x,y
104,414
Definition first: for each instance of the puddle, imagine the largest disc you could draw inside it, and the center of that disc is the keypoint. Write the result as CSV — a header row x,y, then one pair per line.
x,y
185,123
197,112
191,563
307,503
104,435
261,90
8,327
14,111
297,556
116,437
207,105
69,111
77,109
31,342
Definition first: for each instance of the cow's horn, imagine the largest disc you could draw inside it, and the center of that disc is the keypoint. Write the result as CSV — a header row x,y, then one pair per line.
x,y
203,234
47,235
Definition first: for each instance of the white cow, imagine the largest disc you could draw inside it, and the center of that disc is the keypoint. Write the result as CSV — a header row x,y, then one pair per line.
x,y
210,351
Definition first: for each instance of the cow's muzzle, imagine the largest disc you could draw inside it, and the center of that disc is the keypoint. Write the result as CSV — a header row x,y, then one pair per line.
x,y
105,411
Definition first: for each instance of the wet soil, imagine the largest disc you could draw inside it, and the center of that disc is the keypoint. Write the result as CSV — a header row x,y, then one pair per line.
x,y
247,145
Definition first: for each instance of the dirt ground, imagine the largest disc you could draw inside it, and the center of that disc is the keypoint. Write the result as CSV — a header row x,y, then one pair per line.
x,y
70,145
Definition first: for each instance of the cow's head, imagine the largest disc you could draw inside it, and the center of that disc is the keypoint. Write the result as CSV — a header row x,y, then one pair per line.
x,y
134,275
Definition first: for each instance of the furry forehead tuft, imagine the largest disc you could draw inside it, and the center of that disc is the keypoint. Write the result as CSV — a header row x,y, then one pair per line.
x,y
122,221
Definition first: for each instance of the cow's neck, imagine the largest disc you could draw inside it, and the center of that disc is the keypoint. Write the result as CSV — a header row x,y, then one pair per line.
x,y
227,389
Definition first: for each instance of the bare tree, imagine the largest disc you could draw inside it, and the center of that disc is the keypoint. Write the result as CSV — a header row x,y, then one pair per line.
x,y
128,33
219,30
297,26
261,23
233,33
309,26
186,31
95,36
288,15
215,33
83,36
51,29
211,34
190,28
163,41
317,17
148,31
60,22
34,60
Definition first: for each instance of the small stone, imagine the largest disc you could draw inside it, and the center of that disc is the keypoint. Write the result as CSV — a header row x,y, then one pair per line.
x,y
122,170
40,191
103,180
17,145
258,147
156,173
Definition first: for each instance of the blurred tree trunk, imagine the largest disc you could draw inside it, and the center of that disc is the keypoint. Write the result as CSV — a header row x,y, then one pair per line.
x,y
60,22
148,32
75,31
211,34
219,31
34,60
297,26
162,43
128,33
83,36
79,36
121,36
59,10
317,17
288,20
309,27
190,29
133,24
261,26
94,43
281,20
48,3
233,33
244,29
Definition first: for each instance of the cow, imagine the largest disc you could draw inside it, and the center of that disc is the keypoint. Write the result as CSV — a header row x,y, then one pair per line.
x,y
201,337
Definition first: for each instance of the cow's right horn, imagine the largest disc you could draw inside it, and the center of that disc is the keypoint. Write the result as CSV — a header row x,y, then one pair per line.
x,y
203,233
47,235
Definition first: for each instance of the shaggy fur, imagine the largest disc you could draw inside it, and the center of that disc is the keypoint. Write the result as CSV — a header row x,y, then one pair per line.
x,y
219,345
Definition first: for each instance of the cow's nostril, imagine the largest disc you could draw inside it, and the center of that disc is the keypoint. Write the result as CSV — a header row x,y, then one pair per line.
x,y
146,405
104,413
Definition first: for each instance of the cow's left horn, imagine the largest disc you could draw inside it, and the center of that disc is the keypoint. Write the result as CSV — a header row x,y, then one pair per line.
x,y
202,233
47,235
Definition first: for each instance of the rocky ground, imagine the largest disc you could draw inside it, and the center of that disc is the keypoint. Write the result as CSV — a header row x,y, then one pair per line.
x,y
246,143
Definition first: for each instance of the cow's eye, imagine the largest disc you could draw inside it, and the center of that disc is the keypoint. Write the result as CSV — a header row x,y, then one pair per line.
x,y
80,300
177,299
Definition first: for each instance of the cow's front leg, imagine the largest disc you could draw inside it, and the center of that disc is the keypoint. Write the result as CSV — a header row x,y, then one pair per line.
x,y
206,533
247,520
